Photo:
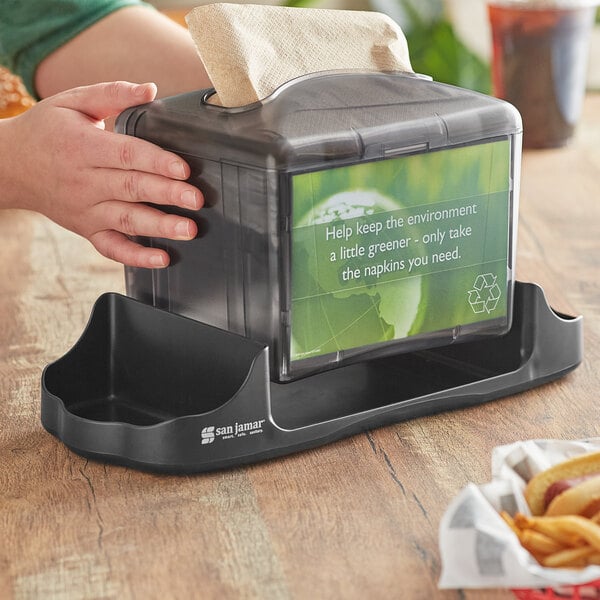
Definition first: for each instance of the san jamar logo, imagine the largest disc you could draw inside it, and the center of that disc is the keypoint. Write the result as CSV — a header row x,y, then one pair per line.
x,y
227,432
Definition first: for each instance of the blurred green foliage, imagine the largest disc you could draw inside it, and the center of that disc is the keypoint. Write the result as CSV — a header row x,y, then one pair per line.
x,y
435,49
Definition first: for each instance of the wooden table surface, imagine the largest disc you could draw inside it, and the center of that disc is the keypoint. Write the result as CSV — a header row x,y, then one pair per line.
x,y
354,519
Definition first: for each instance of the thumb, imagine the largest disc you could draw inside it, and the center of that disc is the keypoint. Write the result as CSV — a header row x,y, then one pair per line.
x,y
104,100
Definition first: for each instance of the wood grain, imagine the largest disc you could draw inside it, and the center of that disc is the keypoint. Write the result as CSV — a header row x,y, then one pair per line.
x,y
354,519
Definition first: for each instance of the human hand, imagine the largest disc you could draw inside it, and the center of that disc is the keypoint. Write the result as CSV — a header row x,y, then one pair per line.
x,y
63,164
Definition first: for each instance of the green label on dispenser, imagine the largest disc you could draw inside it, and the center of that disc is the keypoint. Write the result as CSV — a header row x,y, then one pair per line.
x,y
401,247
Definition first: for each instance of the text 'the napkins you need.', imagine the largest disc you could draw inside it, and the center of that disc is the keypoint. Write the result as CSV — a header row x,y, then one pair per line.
x,y
250,50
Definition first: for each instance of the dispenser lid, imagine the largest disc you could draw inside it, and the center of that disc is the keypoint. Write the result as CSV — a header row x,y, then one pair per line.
x,y
322,116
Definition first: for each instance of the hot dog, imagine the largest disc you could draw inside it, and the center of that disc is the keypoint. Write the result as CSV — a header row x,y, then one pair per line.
x,y
570,487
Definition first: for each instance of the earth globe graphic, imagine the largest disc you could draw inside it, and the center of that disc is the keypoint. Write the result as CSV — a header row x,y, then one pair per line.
x,y
395,301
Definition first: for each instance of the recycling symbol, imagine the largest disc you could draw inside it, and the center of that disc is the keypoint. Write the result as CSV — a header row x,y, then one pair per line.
x,y
485,294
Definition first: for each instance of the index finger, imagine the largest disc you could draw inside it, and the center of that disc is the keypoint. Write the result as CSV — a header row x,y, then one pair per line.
x,y
103,100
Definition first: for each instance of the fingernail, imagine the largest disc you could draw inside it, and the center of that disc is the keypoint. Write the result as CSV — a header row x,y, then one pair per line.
x,y
178,170
158,260
189,199
182,230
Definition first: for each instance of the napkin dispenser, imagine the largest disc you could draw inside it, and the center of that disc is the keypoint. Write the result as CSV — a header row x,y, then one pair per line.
x,y
348,216
354,268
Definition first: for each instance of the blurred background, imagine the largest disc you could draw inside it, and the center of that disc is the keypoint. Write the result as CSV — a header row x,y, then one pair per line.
x,y
448,40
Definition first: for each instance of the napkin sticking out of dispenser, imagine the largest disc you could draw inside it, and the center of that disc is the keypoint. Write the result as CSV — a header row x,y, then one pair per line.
x,y
250,50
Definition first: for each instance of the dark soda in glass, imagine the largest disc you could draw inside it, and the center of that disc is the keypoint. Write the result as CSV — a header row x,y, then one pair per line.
x,y
539,65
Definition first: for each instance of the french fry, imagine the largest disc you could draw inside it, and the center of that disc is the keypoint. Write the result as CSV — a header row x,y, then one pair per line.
x,y
571,557
568,541
543,525
531,545
538,543
593,559
587,529
510,522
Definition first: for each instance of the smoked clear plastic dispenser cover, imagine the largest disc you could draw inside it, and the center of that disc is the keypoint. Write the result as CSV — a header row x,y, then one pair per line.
x,y
348,216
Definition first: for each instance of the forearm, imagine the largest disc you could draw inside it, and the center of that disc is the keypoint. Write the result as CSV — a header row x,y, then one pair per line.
x,y
134,44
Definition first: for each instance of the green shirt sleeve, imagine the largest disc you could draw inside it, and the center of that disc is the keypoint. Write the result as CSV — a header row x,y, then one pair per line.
x,y
30,30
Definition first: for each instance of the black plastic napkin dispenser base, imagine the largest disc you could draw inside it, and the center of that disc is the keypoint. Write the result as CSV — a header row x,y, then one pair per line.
x,y
154,390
